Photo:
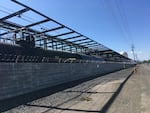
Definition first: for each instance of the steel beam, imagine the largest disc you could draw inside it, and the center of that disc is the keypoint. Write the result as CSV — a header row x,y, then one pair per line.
x,y
63,34
17,2
93,45
72,37
85,42
72,31
52,29
36,23
15,14
6,27
90,43
17,28
80,40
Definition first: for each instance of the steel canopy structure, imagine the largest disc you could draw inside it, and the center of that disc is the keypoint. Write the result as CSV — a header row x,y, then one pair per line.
x,y
58,37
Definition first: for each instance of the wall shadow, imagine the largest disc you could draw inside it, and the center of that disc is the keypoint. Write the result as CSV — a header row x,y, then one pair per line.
x,y
103,110
10,103
60,108
88,92
13,102
114,96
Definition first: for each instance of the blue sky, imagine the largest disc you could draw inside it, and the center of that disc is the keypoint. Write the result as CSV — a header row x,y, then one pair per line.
x,y
116,24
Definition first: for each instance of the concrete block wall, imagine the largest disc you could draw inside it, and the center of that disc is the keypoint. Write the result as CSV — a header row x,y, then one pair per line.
x,y
20,78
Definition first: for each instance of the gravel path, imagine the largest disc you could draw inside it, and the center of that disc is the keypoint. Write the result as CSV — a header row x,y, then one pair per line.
x,y
69,97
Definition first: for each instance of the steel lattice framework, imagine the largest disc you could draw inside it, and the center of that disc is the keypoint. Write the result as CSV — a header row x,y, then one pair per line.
x,y
66,40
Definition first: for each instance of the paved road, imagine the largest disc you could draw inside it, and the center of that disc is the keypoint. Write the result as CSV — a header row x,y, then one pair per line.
x,y
135,96
90,96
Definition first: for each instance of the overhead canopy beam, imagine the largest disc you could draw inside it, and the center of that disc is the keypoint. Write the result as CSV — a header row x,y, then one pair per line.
x,y
90,44
74,46
37,23
68,49
6,27
80,40
15,26
26,27
85,42
49,19
15,14
17,2
72,37
68,44
106,51
37,32
52,29
63,34
93,45
61,43
3,33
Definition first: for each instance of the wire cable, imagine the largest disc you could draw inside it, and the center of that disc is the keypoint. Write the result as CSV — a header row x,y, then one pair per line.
x,y
124,21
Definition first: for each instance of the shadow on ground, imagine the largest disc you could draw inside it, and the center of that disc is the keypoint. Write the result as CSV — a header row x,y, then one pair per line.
x,y
103,110
23,99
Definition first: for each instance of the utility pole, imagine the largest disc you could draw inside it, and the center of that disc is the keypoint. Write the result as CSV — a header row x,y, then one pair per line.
x,y
132,48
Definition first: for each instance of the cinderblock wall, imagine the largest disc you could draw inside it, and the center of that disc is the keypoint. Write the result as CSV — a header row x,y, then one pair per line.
x,y
20,78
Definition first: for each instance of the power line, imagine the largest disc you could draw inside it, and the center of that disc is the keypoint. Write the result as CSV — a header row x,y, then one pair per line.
x,y
112,10
125,24
4,11
115,8
123,18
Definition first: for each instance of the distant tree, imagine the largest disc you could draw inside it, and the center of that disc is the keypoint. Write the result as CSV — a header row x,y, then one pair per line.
x,y
146,61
